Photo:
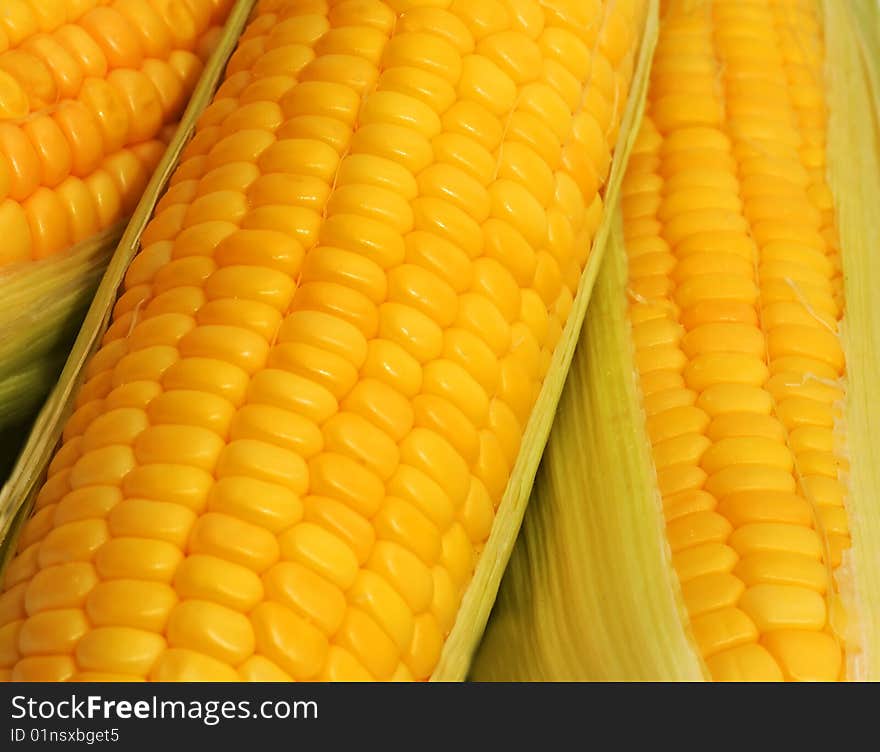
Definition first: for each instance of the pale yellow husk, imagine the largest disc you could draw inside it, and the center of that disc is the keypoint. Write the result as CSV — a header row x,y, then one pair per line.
x,y
42,304
590,593
853,80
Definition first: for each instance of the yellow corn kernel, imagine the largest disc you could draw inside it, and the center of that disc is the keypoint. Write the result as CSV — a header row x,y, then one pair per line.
x,y
44,668
805,656
211,629
188,665
711,592
775,536
775,607
119,650
131,603
723,629
745,663
697,529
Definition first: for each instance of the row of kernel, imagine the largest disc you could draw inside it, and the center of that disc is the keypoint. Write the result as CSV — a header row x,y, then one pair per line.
x,y
23,19
281,133
172,492
776,516
26,24
244,297
326,537
332,553
588,71
442,278
713,287
423,479
54,218
511,395
795,235
370,639
501,64
55,572
682,209
764,470
566,47
716,295
817,456
528,236
690,426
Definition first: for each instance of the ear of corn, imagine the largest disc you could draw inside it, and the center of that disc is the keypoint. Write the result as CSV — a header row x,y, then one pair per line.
x,y
89,95
303,445
707,504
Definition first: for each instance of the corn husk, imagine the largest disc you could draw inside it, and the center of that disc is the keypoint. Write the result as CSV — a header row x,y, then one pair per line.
x,y
853,80
42,305
590,593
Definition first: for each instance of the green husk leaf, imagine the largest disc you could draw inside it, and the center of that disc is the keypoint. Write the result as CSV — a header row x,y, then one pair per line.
x,y
477,602
17,495
42,305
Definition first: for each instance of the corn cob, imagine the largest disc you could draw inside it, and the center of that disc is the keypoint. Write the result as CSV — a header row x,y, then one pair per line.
x,y
728,300
286,456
